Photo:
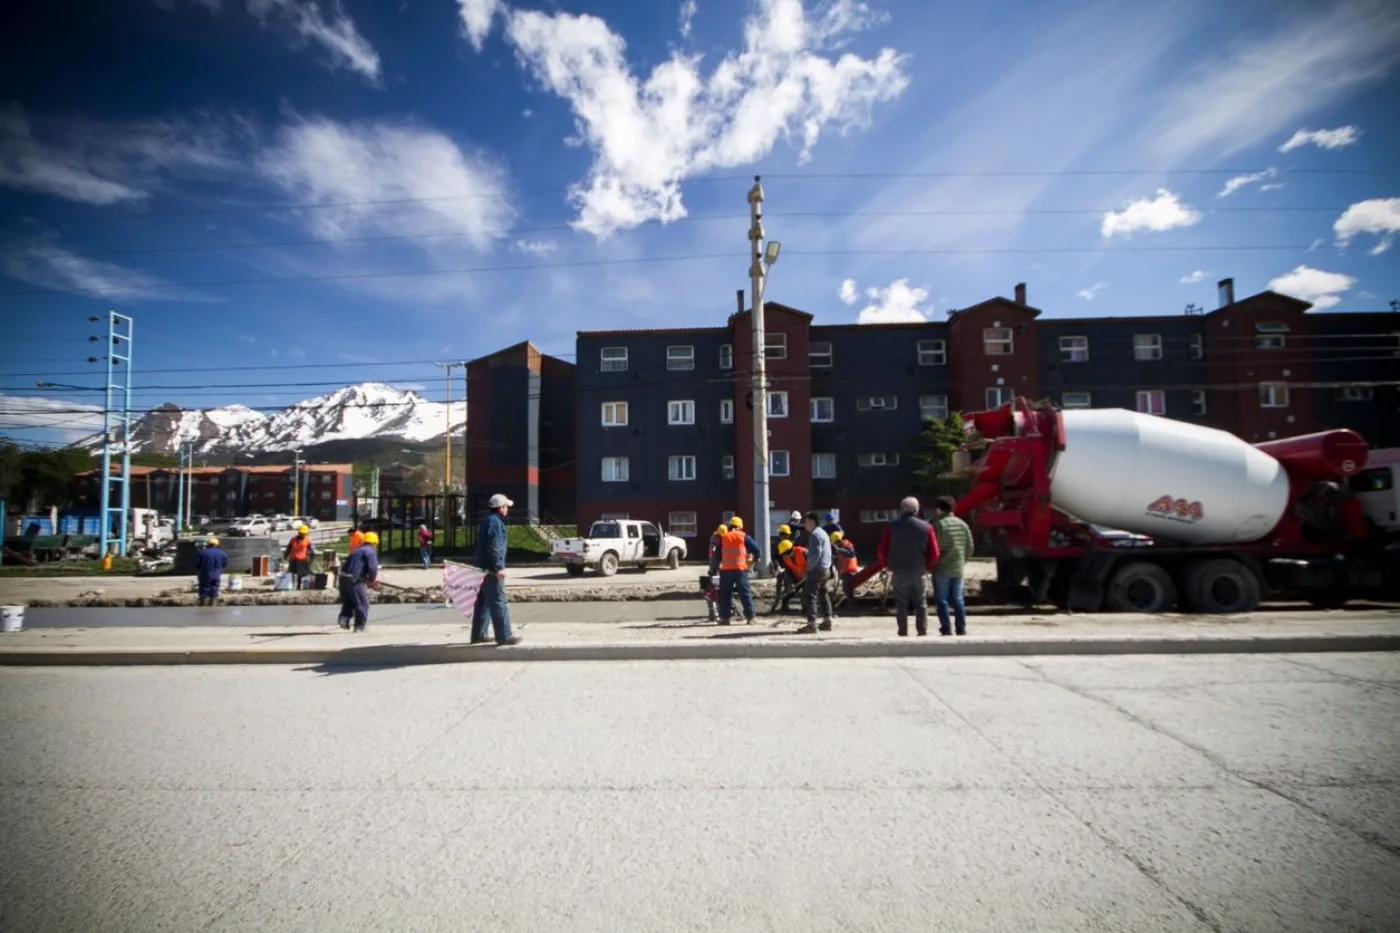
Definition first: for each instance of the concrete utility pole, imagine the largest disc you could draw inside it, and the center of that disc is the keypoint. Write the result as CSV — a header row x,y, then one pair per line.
x,y
296,482
447,437
758,269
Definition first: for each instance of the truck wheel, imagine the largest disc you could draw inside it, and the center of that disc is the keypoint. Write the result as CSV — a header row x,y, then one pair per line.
x,y
673,559
607,564
574,570
1141,587
1223,586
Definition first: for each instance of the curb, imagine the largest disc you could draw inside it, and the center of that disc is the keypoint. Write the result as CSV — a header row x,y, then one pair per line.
x,y
405,655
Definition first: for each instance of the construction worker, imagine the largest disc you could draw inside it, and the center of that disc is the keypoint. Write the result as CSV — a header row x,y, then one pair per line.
x,y
299,554
736,549
784,586
794,559
359,573
357,538
709,584
830,525
209,566
843,555
794,527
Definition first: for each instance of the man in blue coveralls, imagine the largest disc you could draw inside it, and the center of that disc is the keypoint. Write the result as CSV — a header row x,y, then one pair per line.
x,y
490,556
359,572
209,566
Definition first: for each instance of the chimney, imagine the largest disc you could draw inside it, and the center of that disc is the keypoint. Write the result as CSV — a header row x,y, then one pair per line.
x,y
1020,293
1225,291
739,297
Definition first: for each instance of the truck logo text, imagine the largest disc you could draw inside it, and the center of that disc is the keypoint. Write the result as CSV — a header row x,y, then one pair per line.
x,y
1178,510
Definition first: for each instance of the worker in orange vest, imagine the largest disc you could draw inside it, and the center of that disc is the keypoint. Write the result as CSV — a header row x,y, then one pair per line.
x,y
357,538
299,554
843,553
793,557
735,550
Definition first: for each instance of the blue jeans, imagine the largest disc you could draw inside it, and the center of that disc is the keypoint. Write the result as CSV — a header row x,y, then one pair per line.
x,y
950,590
491,608
427,553
729,580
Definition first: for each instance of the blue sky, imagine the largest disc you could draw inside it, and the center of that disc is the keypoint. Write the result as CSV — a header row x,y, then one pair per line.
x,y
287,183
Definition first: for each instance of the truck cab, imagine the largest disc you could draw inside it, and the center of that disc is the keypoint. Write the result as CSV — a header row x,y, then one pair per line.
x,y
612,543
1377,488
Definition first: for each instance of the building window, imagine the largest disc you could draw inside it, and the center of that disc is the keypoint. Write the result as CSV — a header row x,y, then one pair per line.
x,y
778,463
1198,401
1273,395
933,407
1356,394
615,470
726,411
1269,335
680,412
819,355
933,353
680,469
877,403
877,460
997,396
1076,400
823,410
614,360
325,493
997,341
726,466
614,414
775,346
681,524
823,466
726,356
1152,401
1196,347
1074,349
777,404
1147,346
680,357
876,516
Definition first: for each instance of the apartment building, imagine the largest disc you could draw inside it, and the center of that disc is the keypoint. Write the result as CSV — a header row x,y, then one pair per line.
x,y
663,418
326,491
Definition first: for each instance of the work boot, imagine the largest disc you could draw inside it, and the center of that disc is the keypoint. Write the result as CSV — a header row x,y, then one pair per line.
x,y
359,628
343,623
808,629
507,642
904,633
722,622
825,626
748,620
923,632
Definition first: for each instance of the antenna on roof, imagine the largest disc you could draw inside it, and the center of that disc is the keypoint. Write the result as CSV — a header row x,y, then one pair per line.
x,y
1192,310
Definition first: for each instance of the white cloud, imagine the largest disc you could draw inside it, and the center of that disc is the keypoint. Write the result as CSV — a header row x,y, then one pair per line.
x,y
527,113
1194,278
1239,181
897,304
1379,216
1164,212
1273,187
687,14
394,178
48,265
1315,244
1259,86
1088,294
649,135
477,16
537,247
848,291
1339,138
1321,288
333,31
93,162
70,419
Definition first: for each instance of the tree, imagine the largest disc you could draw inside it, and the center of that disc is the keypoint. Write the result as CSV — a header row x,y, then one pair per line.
x,y
934,448
37,479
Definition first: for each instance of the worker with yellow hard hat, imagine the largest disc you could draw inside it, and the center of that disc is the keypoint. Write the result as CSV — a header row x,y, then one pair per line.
x,y
209,566
357,575
735,549
299,554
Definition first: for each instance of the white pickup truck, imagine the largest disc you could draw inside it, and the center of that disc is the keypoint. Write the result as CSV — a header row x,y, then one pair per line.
x,y
611,544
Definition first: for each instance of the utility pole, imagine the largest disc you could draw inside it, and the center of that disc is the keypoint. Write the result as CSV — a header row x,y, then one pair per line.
x,y
758,378
180,492
120,331
296,482
447,418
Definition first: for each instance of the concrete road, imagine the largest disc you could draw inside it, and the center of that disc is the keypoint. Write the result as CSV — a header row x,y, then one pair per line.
x,y
1130,793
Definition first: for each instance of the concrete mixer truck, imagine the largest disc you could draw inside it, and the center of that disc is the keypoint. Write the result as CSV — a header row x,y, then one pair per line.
x,y
1111,509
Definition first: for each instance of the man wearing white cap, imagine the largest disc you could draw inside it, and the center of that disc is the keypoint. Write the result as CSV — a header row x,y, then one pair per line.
x,y
491,557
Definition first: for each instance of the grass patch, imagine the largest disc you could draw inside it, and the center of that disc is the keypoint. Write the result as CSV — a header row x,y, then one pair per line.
x,y
121,566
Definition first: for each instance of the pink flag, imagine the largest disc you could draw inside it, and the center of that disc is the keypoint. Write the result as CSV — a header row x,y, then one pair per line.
x,y
462,584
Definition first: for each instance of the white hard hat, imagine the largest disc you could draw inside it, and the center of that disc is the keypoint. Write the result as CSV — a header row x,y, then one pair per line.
x,y
796,515
499,500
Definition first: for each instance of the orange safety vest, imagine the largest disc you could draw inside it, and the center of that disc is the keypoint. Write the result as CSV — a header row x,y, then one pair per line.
x,y
796,561
845,559
734,551
299,547
357,538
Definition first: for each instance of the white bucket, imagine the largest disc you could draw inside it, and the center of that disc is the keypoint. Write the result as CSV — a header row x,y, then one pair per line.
x,y
235,583
11,618
282,582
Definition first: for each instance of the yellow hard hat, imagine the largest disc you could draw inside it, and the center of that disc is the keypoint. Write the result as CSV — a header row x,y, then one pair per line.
x,y
213,542
303,529
372,537
837,536
721,529
784,547
736,522
785,529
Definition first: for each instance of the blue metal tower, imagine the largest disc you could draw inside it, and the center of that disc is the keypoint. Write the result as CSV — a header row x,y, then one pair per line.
x,y
116,415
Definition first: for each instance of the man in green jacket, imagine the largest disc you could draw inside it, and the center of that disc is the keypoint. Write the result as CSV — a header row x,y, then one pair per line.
x,y
954,548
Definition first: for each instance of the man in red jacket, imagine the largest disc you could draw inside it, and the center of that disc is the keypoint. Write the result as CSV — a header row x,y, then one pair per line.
x,y
909,548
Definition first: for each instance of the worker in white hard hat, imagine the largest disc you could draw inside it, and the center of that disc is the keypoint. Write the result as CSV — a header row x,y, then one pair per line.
x,y
299,554
492,608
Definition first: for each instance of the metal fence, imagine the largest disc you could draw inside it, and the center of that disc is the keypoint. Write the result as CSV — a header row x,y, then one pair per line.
x,y
396,520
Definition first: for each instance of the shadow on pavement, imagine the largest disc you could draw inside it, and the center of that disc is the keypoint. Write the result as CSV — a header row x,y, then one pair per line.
x,y
349,660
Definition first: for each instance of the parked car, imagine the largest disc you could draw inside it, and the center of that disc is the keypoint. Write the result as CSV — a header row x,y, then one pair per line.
x,y
610,544
250,527
310,521
281,522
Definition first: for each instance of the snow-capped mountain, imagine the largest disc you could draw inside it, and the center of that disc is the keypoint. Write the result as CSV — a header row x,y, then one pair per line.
x,y
368,410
